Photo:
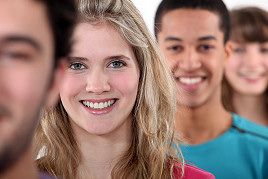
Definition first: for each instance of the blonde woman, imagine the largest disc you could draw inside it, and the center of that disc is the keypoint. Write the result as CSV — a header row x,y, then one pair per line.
x,y
115,118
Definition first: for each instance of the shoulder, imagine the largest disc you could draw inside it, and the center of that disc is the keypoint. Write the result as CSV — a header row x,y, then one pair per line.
x,y
252,129
191,172
43,175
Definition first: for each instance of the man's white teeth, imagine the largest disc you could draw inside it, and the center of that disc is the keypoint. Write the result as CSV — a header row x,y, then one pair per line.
x,y
101,105
190,81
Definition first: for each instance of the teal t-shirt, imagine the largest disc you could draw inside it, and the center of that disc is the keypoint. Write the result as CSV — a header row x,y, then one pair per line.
x,y
239,153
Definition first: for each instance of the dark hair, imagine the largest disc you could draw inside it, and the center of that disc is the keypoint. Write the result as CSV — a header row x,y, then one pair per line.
x,y
249,24
215,6
61,16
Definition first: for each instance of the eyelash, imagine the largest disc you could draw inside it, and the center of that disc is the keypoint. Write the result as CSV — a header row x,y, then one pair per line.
x,y
264,50
175,48
201,47
14,55
241,50
207,47
77,63
238,50
82,66
117,61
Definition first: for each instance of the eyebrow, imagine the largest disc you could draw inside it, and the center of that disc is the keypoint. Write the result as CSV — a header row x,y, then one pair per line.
x,y
117,57
205,38
21,39
210,37
173,39
70,58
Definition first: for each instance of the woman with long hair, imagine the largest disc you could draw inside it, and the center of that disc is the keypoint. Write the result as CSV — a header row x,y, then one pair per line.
x,y
115,117
245,88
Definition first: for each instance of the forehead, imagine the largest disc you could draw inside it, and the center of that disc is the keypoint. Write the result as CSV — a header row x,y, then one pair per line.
x,y
100,38
189,22
25,18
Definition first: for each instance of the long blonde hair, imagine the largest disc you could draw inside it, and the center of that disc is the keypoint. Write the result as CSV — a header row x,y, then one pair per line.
x,y
152,153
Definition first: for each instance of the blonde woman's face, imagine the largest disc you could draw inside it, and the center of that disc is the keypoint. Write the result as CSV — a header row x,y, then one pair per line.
x,y
247,68
101,82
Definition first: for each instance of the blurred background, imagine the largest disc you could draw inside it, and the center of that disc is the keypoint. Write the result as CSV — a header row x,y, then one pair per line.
x,y
148,7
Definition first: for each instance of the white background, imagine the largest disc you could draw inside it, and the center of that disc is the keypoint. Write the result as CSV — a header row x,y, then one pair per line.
x,y
148,7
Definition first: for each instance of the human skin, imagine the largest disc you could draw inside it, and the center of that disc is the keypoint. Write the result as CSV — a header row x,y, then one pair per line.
x,y
247,73
194,47
103,68
195,53
99,92
26,81
247,68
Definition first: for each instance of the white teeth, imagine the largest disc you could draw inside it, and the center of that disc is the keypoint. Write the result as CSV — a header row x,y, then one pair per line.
x,y
252,76
190,81
100,105
96,105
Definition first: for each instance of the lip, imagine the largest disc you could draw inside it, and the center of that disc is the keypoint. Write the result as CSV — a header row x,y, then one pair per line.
x,y
252,80
190,87
100,111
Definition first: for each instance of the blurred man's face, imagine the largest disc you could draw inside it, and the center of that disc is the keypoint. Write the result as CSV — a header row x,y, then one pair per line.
x,y
193,45
26,63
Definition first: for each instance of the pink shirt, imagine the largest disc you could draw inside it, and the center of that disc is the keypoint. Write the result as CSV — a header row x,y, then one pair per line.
x,y
191,172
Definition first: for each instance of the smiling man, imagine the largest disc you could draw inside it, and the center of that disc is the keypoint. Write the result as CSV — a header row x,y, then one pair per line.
x,y
34,36
193,35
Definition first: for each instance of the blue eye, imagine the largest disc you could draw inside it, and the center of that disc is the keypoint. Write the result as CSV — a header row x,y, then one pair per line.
x,y
77,66
238,50
116,64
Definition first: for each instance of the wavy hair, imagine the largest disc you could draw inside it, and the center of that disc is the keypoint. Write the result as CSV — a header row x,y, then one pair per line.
x,y
152,153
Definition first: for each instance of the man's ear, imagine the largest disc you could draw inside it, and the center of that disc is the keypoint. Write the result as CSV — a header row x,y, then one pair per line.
x,y
53,91
228,50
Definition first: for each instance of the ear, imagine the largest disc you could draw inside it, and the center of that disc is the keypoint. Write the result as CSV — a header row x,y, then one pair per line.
x,y
228,51
53,91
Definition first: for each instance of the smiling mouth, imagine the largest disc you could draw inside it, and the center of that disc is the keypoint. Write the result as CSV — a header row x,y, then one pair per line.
x,y
190,81
99,105
252,76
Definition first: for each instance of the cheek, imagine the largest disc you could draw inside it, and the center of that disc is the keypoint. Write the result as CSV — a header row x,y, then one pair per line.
x,y
169,57
266,64
233,64
126,83
169,62
71,85
26,85
172,60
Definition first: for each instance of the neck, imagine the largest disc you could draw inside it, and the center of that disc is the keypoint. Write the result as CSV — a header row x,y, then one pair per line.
x,y
24,168
203,123
253,108
100,153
